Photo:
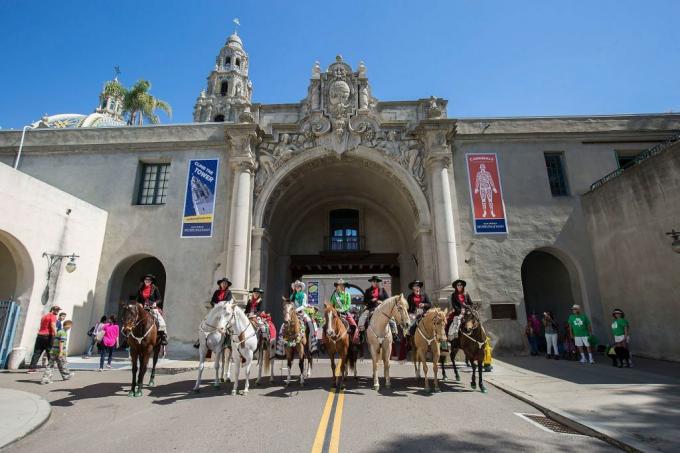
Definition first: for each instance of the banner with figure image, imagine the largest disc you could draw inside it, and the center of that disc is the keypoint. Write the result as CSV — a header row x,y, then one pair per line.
x,y
199,199
486,194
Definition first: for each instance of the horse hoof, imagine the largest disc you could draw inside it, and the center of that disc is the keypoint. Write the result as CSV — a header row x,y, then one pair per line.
x,y
131,393
376,387
245,393
138,393
388,385
216,386
233,393
474,386
152,383
482,389
197,391
457,378
222,380
437,390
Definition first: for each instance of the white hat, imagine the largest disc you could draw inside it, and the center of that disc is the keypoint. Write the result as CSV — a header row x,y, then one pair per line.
x,y
575,307
297,283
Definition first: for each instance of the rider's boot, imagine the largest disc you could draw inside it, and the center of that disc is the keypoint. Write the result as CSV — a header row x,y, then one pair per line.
x,y
164,338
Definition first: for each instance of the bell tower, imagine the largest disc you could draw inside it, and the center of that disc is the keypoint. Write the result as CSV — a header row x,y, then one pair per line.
x,y
229,90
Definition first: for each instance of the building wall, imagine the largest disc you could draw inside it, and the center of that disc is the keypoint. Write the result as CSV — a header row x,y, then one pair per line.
x,y
40,218
637,270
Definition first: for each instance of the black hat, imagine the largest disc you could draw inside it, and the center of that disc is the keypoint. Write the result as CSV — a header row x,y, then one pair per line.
x,y
151,276
257,290
375,278
417,283
225,279
459,281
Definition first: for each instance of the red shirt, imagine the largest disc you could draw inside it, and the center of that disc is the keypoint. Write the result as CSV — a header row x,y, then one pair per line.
x,y
45,322
417,299
146,292
461,298
221,294
376,293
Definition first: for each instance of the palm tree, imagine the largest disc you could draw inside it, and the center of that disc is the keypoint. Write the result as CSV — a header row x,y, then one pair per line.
x,y
139,104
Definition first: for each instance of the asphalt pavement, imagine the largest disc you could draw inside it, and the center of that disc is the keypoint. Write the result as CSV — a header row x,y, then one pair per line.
x,y
93,411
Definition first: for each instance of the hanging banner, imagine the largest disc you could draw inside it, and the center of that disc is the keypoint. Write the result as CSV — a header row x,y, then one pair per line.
x,y
199,199
313,293
486,194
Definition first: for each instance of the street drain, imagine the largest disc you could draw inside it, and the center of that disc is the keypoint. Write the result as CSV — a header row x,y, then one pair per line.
x,y
548,424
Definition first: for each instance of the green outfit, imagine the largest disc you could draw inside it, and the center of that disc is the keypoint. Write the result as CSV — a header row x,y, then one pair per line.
x,y
341,301
299,298
59,338
619,327
579,325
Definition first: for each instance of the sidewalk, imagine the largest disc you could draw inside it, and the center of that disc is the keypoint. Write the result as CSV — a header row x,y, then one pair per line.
x,y
637,407
21,413
122,362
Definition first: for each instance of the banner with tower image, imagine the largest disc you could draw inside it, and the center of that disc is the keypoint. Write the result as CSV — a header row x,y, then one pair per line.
x,y
486,194
199,200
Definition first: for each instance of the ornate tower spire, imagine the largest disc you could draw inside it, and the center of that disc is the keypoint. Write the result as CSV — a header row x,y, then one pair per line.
x,y
111,98
229,90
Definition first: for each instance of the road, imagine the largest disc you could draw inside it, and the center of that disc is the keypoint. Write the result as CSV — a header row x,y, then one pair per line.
x,y
92,412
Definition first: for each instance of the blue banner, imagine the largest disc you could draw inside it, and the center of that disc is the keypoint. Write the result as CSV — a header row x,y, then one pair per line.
x,y
313,293
199,199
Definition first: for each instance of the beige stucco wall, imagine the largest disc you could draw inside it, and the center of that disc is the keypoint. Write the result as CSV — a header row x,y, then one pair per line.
x,y
40,218
627,219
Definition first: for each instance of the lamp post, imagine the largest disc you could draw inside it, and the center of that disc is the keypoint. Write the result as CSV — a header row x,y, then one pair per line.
x,y
676,240
21,145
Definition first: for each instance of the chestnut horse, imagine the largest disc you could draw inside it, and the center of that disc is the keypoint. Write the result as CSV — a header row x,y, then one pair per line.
x,y
139,326
429,333
337,340
295,338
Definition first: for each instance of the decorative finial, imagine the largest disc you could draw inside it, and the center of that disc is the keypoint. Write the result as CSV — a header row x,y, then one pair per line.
x,y
316,70
338,57
116,73
237,22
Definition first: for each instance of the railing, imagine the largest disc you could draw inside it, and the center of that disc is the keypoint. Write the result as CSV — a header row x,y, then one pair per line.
x,y
644,155
9,318
344,243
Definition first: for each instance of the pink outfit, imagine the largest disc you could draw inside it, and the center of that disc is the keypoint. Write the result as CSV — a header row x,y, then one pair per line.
x,y
111,332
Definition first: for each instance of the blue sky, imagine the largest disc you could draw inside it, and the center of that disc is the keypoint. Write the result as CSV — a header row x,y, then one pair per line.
x,y
488,58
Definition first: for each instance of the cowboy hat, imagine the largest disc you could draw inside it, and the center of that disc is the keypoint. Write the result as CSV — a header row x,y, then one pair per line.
x,y
459,281
339,282
417,283
298,283
618,311
257,290
225,279
375,278
151,276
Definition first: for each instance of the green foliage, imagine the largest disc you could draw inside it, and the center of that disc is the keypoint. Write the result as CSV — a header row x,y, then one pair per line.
x,y
139,104
316,315
114,88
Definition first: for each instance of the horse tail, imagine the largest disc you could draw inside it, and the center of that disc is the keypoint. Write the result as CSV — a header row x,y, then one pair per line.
x,y
265,353
352,354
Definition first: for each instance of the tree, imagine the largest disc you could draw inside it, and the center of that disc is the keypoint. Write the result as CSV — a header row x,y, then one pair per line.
x,y
139,104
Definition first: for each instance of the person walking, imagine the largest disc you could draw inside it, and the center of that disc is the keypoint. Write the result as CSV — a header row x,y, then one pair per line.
x,y
551,329
60,321
58,355
95,336
46,332
621,334
581,330
109,341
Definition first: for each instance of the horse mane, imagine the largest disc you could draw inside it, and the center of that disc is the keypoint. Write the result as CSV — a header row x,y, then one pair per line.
x,y
386,302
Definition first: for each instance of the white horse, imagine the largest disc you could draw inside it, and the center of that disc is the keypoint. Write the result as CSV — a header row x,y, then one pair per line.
x,y
211,335
265,360
243,342
379,335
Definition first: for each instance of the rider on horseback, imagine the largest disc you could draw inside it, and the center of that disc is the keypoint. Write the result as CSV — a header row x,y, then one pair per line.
x,y
418,304
223,293
341,300
150,296
460,301
299,298
373,296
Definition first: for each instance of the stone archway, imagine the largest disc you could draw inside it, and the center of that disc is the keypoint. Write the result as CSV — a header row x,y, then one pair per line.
x,y
17,275
126,277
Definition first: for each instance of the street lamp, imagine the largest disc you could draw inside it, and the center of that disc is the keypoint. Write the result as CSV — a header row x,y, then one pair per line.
x,y
676,240
21,146
55,258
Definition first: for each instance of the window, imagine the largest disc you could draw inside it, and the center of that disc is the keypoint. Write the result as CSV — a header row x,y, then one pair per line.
x,y
227,61
224,88
154,184
556,176
238,62
344,234
503,311
219,118
625,158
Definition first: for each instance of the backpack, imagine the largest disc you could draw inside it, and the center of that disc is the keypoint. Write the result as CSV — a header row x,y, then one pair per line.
x,y
90,332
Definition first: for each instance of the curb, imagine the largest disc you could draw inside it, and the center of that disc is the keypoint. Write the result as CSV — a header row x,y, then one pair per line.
x,y
43,413
575,423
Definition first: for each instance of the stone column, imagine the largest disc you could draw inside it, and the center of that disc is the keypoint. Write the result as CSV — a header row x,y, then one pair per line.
x,y
240,221
258,260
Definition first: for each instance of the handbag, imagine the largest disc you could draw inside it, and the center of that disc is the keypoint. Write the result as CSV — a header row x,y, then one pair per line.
x,y
100,336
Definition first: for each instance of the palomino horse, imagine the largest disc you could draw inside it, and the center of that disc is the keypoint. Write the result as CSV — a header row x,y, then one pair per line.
x,y
211,335
471,339
243,341
337,340
379,336
429,333
139,326
295,339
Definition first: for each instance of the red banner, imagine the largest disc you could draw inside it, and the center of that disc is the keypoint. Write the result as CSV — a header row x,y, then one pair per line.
x,y
486,194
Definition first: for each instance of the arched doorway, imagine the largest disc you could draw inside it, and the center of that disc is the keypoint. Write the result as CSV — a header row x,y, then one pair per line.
x,y
127,276
548,285
16,275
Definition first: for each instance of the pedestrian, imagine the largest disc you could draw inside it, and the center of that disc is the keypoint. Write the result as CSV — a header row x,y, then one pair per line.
x,y
568,344
109,341
96,334
581,330
551,329
60,320
532,331
621,333
43,342
58,355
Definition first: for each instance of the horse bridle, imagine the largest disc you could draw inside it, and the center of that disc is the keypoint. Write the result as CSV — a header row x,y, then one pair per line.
x,y
434,336
337,337
234,334
138,319
480,344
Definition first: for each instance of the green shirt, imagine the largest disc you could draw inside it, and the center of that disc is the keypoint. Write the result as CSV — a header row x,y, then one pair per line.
x,y
341,301
619,327
59,338
579,325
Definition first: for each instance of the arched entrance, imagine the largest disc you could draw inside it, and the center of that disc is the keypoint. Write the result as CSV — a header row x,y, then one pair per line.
x,y
126,278
16,275
548,285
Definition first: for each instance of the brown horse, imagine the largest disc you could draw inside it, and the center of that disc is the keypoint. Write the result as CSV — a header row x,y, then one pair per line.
x,y
295,338
428,336
337,340
139,326
471,339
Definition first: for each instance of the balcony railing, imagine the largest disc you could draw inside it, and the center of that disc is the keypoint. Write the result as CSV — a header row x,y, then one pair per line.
x,y
344,243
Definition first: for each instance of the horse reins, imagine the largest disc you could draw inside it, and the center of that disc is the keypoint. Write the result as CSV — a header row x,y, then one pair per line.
x,y
131,334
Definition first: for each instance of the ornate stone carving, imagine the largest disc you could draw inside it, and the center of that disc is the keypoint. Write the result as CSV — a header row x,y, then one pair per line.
x,y
433,110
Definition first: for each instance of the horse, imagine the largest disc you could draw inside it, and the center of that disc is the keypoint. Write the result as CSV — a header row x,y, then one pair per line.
x,y
381,346
471,339
429,333
264,358
243,341
211,336
139,326
295,339
337,340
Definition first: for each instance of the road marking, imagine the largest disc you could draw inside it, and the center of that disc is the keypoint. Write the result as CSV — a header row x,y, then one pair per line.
x,y
317,447
337,421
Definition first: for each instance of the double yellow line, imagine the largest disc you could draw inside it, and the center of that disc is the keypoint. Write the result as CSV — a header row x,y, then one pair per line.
x,y
332,409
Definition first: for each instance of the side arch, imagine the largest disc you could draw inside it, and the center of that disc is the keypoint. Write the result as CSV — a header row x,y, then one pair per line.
x,y
126,275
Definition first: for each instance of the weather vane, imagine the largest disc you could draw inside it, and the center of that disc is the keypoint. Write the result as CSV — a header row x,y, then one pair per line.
x,y
116,72
237,22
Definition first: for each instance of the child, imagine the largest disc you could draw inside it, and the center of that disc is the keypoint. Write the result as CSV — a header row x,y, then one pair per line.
x,y
58,355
